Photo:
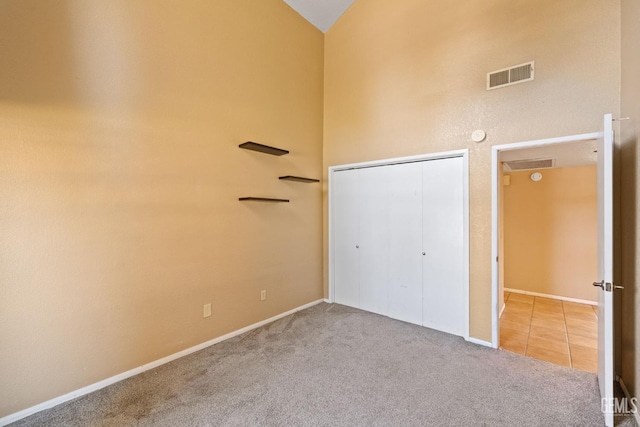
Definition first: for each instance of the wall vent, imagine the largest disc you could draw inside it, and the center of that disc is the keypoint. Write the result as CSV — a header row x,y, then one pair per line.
x,y
519,165
510,76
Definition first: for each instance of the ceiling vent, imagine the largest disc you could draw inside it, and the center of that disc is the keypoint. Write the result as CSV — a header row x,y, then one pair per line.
x,y
520,165
510,76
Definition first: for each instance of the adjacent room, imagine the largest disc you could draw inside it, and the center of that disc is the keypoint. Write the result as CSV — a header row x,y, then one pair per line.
x,y
283,212
549,216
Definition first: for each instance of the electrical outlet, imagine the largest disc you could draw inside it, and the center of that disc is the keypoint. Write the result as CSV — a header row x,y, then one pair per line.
x,y
263,295
206,312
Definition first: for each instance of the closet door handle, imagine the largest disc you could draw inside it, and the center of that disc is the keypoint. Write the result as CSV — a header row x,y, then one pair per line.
x,y
424,253
357,246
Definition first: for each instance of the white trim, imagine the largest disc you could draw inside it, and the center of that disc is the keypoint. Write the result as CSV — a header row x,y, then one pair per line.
x,y
549,141
465,237
330,239
625,390
480,342
397,160
495,210
538,294
135,371
495,245
502,309
327,300
464,153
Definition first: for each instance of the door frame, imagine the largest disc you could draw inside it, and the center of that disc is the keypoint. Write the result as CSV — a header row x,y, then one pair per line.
x,y
464,154
495,215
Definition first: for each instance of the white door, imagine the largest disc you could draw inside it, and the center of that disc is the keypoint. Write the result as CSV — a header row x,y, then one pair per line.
x,y
605,269
373,240
443,274
399,242
405,248
346,224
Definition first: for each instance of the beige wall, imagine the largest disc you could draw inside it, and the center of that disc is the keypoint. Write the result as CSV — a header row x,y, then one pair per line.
x,y
120,174
629,299
408,77
551,232
119,166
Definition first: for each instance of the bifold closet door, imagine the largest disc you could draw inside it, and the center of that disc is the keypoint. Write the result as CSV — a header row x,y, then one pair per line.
x,y
404,186
373,239
398,242
361,234
346,223
443,303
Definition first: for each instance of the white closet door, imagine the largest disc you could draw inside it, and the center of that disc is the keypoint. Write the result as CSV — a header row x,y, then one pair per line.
x,y
405,244
443,229
374,239
345,237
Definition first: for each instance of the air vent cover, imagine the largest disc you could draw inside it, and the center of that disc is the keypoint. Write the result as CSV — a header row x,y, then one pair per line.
x,y
519,165
510,76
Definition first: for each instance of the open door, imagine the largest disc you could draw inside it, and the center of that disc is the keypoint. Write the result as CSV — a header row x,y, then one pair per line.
x,y
605,269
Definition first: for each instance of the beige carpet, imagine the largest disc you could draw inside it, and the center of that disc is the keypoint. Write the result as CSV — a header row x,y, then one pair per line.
x,y
332,365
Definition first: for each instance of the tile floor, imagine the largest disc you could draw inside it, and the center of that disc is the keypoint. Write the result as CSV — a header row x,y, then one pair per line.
x,y
560,332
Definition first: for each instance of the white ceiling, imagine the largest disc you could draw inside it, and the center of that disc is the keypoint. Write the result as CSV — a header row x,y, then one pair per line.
x,y
321,13
570,154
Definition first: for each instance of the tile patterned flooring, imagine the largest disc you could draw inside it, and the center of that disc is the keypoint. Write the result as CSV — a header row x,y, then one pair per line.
x,y
560,332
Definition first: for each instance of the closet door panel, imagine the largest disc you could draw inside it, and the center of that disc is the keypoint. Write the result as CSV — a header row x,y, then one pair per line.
x,y
443,230
345,237
374,239
405,244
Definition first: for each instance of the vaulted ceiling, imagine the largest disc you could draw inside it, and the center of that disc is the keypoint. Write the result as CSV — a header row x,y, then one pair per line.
x,y
321,13
324,13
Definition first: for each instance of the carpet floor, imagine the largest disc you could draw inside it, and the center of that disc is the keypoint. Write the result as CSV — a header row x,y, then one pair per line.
x,y
332,365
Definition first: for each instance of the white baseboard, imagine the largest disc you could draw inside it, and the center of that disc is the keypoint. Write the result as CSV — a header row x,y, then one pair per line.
x,y
135,371
636,415
537,294
327,301
480,342
502,310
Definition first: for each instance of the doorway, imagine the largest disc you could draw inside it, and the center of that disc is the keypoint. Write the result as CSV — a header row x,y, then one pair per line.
x,y
549,224
604,279
548,240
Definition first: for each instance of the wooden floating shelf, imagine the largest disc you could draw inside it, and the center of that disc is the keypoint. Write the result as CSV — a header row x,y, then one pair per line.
x,y
299,179
254,146
262,199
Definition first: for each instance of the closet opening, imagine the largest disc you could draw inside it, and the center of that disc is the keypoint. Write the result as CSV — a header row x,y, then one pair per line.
x,y
399,239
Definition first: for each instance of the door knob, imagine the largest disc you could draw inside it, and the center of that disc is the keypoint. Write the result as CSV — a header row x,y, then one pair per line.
x,y
599,284
618,287
424,253
357,246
